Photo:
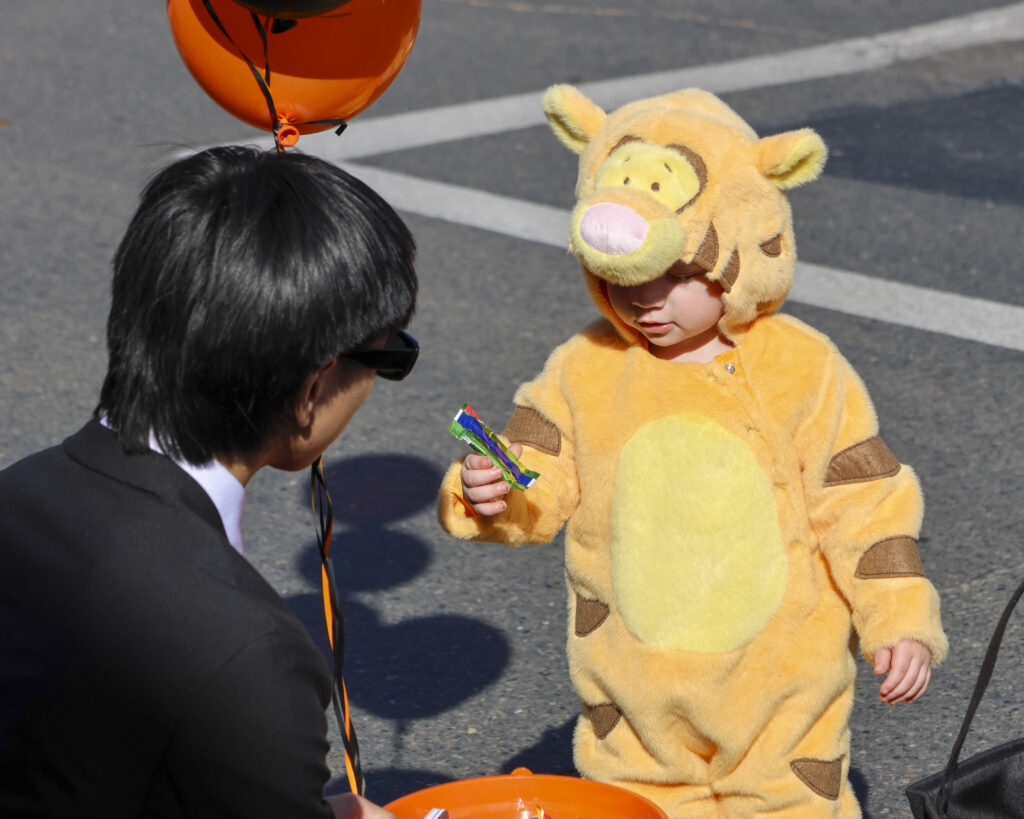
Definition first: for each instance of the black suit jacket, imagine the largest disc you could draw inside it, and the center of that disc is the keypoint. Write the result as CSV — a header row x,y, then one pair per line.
x,y
146,669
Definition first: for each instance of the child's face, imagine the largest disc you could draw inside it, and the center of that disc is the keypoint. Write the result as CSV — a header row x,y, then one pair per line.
x,y
676,312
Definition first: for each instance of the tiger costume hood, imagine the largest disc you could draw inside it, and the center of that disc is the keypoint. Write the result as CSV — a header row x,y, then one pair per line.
x,y
680,179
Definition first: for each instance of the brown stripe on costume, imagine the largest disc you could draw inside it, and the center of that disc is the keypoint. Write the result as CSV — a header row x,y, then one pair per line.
x,y
892,557
707,255
527,426
773,247
731,272
589,615
866,461
699,168
821,776
602,717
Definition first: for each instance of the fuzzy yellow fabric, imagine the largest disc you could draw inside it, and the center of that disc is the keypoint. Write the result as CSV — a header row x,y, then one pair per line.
x,y
730,557
720,720
717,516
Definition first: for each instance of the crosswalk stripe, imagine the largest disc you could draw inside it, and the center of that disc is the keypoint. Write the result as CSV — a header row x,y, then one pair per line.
x,y
907,305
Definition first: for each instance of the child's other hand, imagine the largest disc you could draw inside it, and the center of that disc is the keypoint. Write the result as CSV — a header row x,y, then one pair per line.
x,y
483,486
909,665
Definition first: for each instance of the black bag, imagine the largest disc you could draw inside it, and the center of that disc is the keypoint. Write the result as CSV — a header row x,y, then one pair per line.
x,y
989,785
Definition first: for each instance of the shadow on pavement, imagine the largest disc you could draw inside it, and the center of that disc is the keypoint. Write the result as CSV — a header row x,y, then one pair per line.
x,y
967,145
414,668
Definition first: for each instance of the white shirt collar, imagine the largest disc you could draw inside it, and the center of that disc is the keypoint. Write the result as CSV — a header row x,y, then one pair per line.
x,y
223,488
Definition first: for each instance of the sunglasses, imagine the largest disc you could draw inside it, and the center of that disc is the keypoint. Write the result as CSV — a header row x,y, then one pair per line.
x,y
394,361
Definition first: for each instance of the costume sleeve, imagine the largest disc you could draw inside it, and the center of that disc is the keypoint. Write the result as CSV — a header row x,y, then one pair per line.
x,y
866,510
542,422
254,743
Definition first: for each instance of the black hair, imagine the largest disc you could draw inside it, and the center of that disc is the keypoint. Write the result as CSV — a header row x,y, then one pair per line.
x,y
241,273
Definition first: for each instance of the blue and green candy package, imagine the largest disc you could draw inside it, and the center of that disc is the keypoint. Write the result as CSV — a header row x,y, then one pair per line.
x,y
469,427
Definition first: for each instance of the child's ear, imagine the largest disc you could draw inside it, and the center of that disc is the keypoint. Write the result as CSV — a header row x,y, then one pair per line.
x,y
791,159
312,390
572,116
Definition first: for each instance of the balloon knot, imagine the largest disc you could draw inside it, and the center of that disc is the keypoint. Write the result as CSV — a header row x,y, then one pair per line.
x,y
286,135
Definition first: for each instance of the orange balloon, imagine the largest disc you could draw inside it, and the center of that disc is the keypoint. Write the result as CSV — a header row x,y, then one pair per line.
x,y
290,9
326,67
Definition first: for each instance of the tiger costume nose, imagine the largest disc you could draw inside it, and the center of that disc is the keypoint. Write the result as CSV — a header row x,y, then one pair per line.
x,y
613,228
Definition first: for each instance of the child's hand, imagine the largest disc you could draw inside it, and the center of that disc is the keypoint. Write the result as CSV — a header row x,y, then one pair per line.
x,y
483,486
910,670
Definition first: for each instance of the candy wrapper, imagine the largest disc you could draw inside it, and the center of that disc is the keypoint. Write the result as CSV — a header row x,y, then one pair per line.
x,y
467,426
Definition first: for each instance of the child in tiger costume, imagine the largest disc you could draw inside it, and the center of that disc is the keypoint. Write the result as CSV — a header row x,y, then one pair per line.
x,y
733,516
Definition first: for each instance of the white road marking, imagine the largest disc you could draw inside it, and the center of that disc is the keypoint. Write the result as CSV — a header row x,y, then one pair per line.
x,y
379,135
843,291
465,206
922,308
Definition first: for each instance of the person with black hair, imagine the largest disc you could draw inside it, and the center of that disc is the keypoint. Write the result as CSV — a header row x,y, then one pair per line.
x,y
146,668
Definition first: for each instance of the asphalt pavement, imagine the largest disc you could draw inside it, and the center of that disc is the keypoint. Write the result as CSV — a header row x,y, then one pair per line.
x,y
910,249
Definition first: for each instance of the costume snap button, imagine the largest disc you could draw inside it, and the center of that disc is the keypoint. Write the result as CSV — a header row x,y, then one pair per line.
x,y
730,368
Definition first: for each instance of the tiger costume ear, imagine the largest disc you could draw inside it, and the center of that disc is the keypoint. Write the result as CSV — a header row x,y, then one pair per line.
x,y
791,159
572,116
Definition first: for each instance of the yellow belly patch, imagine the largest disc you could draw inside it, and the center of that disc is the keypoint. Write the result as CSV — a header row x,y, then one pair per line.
x,y
698,561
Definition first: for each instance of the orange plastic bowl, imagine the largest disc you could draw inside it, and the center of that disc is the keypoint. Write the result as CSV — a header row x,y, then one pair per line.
x,y
521,794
